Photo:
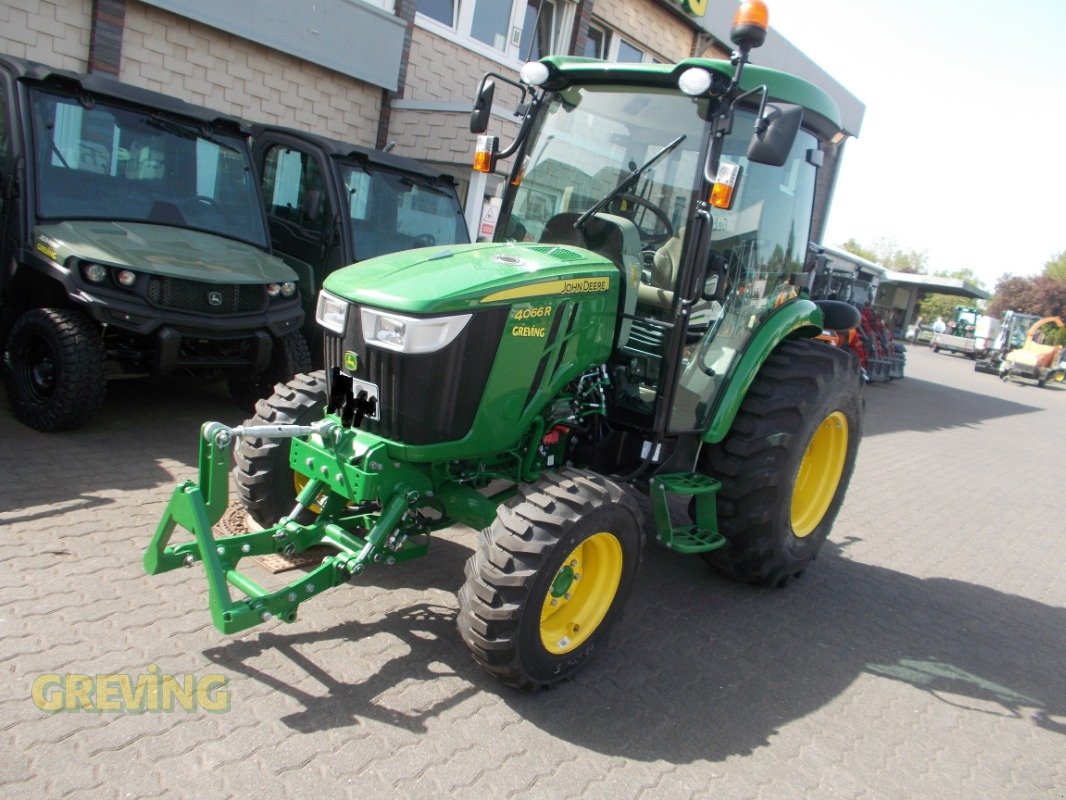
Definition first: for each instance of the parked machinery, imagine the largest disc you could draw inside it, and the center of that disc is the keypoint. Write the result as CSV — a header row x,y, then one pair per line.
x,y
641,323
881,356
1010,335
1035,360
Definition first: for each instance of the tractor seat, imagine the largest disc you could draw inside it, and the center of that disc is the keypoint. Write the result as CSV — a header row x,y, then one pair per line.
x,y
599,235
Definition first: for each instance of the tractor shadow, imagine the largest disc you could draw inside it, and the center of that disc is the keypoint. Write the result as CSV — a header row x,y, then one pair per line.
x,y
700,668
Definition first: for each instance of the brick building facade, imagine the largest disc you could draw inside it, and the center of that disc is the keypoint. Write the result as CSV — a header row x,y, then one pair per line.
x,y
373,72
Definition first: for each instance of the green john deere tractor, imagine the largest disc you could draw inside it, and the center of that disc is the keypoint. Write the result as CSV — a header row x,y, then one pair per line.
x,y
640,323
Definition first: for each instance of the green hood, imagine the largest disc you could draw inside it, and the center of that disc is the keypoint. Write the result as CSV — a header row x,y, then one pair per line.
x,y
163,250
462,277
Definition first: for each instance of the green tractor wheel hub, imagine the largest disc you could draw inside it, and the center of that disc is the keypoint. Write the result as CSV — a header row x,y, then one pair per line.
x,y
563,581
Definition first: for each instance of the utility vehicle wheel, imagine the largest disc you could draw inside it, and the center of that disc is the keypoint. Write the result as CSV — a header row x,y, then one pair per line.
x,y
787,461
55,369
266,484
290,357
550,577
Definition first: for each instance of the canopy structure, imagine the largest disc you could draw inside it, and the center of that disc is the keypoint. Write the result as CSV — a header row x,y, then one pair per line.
x,y
896,294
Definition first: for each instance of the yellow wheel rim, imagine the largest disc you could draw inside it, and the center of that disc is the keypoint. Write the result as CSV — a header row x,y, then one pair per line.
x,y
819,474
1059,377
581,593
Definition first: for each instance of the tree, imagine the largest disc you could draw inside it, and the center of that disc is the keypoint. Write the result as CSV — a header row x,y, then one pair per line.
x,y
887,253
938,305
1043,295
1056,267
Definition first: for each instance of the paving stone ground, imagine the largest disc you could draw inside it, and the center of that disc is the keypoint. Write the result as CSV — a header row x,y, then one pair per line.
x,y
921,656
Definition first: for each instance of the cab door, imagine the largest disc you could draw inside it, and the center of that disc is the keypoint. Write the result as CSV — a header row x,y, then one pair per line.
x,y
299,207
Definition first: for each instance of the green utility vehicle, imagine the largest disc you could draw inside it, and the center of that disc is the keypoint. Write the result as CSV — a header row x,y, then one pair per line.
x,y
132,242
330,204
640,324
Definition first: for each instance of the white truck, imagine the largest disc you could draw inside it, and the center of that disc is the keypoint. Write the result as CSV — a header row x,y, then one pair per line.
x,y
972,335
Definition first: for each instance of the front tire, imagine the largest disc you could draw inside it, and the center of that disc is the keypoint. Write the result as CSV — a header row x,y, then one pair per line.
x,y
265,482
786,463
55,369
550,577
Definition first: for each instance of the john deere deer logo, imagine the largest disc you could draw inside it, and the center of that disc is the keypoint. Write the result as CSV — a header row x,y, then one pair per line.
x,y
214,299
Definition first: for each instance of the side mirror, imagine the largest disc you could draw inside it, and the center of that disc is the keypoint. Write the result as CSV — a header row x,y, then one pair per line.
x,y
775,133
479,117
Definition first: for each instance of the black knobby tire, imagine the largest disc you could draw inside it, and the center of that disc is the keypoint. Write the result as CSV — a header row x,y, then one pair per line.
x,y
290,356
570,518
804,388
262,475
55,369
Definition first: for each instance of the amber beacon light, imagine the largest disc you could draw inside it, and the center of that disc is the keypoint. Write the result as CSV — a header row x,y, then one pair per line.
x,y
750,24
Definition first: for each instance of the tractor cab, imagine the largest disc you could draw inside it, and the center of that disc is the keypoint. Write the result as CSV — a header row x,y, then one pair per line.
x,y
701,198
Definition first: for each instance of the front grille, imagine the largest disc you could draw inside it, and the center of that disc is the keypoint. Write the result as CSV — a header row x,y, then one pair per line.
x,y
427,398
196,296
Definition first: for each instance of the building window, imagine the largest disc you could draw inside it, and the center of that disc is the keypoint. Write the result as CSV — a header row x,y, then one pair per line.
x,y
628,53
540,34
491,23
503,29
596,43
443,11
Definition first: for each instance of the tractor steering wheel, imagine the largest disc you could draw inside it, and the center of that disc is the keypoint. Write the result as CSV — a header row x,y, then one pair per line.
x,y
648,237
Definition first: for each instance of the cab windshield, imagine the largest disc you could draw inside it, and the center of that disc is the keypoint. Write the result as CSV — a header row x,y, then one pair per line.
x,y
101,161
587,141
391,211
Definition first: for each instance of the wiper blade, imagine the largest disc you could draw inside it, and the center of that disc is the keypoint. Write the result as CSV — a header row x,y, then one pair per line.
x,y
628,181
186,131
425,186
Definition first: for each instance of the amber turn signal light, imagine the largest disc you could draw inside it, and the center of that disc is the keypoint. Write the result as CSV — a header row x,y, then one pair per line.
x,y
724,183
484,153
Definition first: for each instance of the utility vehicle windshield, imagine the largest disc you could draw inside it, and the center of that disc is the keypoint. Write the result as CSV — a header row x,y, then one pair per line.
x,y
392,211
100,161
588,141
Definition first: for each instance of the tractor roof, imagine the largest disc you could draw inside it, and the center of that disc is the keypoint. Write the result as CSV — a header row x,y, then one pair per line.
x,y
781,85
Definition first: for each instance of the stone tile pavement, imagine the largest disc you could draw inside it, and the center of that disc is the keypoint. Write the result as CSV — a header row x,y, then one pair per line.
x,y
921,656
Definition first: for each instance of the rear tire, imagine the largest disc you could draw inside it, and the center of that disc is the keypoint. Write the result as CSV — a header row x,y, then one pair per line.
x,y
550,577
290,357
265,483
786,463
55,369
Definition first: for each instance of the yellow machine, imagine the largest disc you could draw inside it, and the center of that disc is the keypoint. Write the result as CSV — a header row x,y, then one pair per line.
x,y
1035,359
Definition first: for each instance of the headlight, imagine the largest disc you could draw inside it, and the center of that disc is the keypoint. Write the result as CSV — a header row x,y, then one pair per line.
x,y
332,313
126,277
534,73
288,289
694,81
94,273
410,334
273,289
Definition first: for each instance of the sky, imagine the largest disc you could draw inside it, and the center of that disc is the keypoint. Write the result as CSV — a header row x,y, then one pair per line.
x,y
962,152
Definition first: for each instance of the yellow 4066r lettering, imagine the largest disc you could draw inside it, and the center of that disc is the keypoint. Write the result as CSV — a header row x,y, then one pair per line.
x,y
539,312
